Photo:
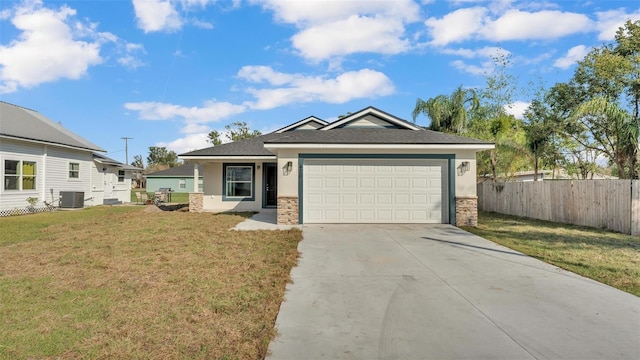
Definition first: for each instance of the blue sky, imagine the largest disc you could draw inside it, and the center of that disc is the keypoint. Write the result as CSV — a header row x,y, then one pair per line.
x,y
166,72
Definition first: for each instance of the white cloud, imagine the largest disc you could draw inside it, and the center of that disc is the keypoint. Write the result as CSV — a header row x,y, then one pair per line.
x,y
448,29
331,29
356,34
511,24
188,143
316,12
296,88
211,111
164,15
484,52
157,15
517,109
202,24
53,44
547,24
610,21
573,55
485,67
48,47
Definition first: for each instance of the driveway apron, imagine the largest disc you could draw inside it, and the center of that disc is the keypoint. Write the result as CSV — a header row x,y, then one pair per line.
x,y
438,292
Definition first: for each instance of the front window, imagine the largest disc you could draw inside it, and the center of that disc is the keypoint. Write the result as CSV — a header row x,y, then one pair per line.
x,y
19,175
182,184
74,170
120,175
238,182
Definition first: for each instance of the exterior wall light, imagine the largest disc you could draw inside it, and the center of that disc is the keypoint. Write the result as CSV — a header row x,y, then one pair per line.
x,y
466,166
286,169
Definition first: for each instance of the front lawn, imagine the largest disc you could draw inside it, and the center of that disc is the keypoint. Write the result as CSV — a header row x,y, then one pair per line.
x,y
605,256
125,283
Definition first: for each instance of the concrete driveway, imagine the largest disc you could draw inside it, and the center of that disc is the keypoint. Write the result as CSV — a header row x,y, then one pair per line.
x,y
437,292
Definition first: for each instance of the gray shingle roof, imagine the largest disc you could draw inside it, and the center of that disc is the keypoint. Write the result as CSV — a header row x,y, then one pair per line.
x,y
372,136
185,170
22,123
109,161
365,136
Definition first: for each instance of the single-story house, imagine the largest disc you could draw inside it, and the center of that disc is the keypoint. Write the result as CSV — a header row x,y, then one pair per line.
x,y
41,159
367,167
179,179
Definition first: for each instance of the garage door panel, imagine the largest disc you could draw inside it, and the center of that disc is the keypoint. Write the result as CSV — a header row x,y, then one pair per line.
x,y
332,199
402,182
367,182
402,199
374,191
350,183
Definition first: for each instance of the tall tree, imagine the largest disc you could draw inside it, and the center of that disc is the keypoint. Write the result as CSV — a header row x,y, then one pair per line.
x,y
137,161
599,120
239,130
159,155
213,137
448,113
235,131
538,133
491,121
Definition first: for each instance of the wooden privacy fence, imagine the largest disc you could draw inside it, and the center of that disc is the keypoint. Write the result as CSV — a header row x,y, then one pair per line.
x,y
610,204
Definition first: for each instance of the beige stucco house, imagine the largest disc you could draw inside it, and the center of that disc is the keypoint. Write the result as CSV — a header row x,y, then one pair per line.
x,y
368,167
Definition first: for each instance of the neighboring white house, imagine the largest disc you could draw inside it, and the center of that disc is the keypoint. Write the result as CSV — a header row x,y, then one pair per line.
x,y
41,159
368,167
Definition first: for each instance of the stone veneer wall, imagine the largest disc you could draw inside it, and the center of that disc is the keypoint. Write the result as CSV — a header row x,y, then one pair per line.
x,y
288,210
466,211
195,202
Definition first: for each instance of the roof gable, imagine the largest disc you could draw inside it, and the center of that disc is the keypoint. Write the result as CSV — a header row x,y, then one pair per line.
x,y
310,123
371,118
28,125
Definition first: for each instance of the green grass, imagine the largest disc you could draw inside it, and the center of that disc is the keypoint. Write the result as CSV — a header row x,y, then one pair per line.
x,y
176,197
121,282
608,257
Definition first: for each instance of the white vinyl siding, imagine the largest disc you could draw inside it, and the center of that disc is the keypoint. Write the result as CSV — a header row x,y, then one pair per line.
x,y
52,171
375,191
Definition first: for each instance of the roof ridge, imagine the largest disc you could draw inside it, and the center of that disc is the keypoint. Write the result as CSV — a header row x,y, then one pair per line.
x,y
18,106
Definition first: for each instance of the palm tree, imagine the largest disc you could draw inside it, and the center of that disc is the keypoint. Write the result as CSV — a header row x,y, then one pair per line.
x,y
448,113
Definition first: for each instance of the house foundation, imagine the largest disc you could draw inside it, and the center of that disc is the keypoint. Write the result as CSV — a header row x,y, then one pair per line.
x,y
466,211
288,210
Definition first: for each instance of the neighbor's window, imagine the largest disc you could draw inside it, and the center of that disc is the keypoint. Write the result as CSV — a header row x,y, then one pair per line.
x,y
120,175
182,183
74,170
19,175
239,181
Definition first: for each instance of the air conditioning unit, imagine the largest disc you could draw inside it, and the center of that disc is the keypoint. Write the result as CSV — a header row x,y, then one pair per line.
x,y
71,199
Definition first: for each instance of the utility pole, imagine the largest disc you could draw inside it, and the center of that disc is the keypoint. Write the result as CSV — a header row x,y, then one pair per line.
x,y
126,148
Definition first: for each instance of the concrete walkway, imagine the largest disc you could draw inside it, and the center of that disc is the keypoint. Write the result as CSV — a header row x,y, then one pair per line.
x,y
437,292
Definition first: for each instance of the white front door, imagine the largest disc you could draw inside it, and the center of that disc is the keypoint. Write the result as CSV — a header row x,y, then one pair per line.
x,y
108,183
375,191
